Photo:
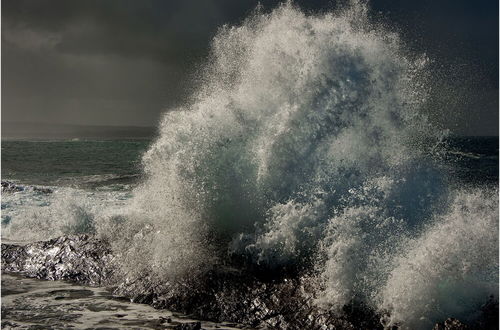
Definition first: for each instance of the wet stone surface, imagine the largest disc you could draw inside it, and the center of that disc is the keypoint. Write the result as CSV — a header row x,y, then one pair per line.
x,y
39,304
219,295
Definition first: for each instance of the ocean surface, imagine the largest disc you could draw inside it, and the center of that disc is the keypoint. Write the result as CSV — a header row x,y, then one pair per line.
x,y
303,148
117,163
73,162
109,170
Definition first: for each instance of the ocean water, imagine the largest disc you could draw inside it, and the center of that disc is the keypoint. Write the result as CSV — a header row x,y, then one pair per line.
x,y
94,174
73,162
81,175
304,147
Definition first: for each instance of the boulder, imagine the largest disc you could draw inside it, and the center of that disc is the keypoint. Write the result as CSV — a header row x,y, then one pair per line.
x,y
82,259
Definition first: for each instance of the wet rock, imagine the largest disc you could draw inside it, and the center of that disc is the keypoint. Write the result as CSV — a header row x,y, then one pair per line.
x,y
10,187
42,190
188,326
451,324
82,259
226,295
221,295
165,319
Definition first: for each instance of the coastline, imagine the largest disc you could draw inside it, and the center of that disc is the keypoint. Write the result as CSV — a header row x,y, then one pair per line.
x,y
222,296
30,302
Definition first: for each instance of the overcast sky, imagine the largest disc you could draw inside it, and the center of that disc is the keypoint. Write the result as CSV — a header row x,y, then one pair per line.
x,y
123,62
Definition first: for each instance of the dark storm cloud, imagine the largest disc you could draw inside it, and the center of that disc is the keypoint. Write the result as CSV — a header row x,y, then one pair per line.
x,y
122,62
103,62
160,30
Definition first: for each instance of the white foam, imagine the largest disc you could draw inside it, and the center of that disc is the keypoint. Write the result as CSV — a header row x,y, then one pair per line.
x,y
292,106
451,269
32,216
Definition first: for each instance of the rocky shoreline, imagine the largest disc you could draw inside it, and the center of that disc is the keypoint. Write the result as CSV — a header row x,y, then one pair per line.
x,y
219,295
11,187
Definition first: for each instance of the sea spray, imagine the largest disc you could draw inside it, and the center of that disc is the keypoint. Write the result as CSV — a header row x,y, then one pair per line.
x,y
294,111
33,215
305,145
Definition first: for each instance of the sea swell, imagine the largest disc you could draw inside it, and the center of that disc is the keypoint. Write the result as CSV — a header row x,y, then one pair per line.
x,y
304,152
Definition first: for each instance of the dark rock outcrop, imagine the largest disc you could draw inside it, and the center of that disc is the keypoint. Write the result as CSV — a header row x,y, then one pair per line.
x,y
451,324
223,294
226,295
82,259
188,326
10,187
218,295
